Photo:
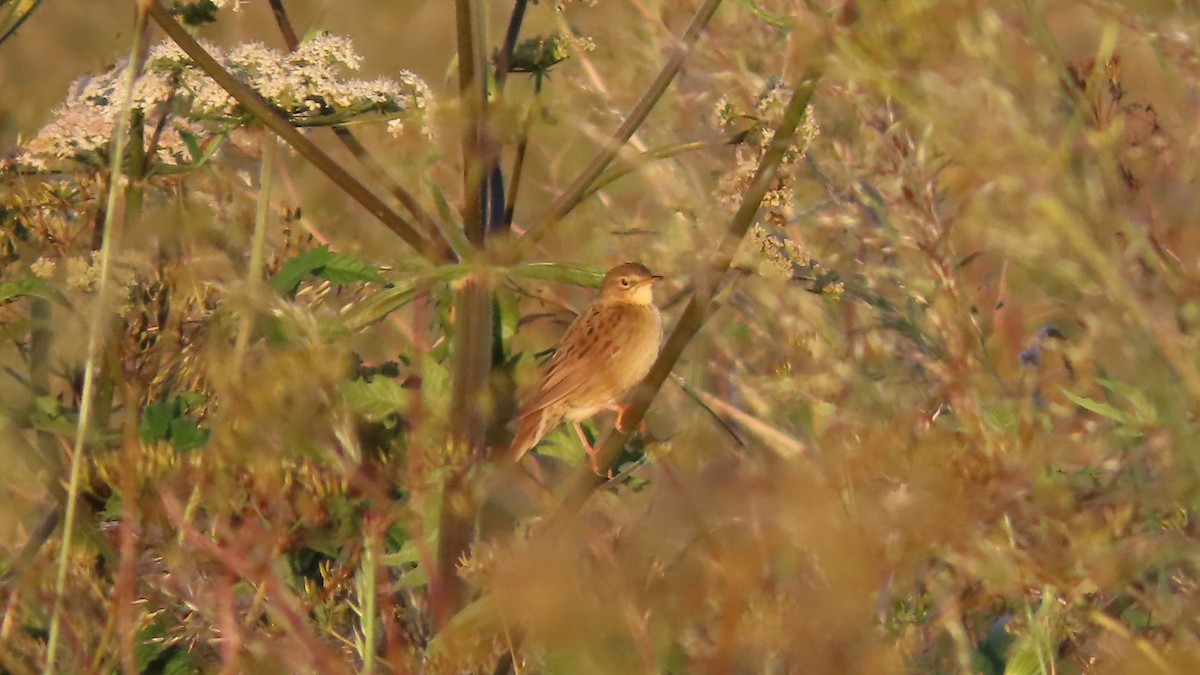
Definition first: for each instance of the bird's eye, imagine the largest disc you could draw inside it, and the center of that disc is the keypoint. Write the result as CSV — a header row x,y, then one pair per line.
x,y
625,282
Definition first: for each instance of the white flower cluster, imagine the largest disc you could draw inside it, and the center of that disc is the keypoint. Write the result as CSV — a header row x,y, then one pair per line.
x,y
306,86
767,113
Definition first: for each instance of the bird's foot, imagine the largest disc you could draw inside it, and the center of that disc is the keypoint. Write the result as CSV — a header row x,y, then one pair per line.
x,y
592,452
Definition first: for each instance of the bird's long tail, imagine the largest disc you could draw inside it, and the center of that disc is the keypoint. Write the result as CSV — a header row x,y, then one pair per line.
x,y
531,428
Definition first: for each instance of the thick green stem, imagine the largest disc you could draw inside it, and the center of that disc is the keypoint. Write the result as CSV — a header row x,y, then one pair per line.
x,y
471,412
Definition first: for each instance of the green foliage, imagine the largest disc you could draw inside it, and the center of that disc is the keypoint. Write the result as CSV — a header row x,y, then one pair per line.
x,y
173,422
336,268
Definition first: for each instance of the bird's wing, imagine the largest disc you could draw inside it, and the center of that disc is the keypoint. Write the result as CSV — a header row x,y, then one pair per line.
x,y
580,342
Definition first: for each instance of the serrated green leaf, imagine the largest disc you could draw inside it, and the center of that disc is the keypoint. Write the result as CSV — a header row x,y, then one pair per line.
x,y
186,435
156,422
289,276
346,268
378,398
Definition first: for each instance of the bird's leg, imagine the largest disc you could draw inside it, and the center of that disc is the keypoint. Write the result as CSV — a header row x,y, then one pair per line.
x,y
587,447
622,425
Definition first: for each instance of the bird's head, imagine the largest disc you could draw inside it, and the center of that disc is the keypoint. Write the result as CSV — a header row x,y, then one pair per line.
x,y
629,282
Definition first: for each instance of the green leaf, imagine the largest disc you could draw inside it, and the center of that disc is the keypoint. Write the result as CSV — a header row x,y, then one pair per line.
x,y
180,663
407,555
1099,407
1033,651
193,145
189,399
345,268
289,276
338,268
1142,407
149,645
186,435
156,422
30,287
435,383
588,276
401,292
414,578
378,398
49,415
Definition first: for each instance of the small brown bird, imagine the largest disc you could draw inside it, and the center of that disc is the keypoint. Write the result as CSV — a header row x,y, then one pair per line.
x,y
605,352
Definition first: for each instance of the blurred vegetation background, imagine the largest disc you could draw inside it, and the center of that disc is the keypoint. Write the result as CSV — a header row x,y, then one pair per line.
x,y
928,403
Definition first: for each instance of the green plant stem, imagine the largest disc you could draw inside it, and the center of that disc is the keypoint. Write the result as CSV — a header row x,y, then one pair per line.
x,y
262,110
366,601
470,406
258,245
120,136
697,310
576,191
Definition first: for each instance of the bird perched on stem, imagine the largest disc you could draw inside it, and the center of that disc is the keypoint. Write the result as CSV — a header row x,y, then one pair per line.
x,y
605,352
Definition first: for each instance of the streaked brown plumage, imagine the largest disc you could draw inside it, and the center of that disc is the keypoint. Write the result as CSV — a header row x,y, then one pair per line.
x,y
605,352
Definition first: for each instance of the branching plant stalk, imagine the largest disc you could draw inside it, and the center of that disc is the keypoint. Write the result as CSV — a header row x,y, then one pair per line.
x,y
270,118
472,339
120,137
576,191
697,310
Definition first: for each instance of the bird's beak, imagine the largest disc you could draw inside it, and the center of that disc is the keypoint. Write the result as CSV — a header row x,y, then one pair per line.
x,y
647,282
